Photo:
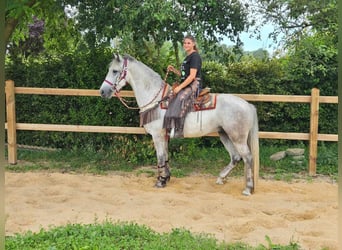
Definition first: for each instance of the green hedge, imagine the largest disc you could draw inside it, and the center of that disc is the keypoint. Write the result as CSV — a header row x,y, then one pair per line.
x,y
258,77
81,71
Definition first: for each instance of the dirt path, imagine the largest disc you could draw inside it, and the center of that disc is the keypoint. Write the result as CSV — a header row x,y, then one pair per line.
x,y
302,212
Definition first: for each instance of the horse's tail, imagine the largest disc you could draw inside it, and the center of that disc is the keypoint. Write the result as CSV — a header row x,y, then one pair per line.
x,y
253,142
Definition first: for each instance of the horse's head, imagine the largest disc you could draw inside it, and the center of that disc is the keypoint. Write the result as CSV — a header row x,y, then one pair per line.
x,y
116,77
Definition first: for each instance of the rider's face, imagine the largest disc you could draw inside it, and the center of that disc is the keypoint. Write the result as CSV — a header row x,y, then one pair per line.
x,y
188,45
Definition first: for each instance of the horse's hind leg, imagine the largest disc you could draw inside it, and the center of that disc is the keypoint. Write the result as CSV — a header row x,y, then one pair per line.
x,y
161,146
237,151
234,157
248,161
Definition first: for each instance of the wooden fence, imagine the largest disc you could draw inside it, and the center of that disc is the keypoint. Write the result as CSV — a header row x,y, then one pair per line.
x,y
12,126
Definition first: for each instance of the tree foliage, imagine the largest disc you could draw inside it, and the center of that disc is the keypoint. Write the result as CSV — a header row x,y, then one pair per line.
x,y
158,21
19,14
295,18
33,26
312,62
34,43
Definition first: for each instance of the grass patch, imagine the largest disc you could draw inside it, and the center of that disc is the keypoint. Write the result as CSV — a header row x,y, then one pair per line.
x,y
186,158
131,236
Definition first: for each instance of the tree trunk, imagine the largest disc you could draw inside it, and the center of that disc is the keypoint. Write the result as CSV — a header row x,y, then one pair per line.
x,y
10,26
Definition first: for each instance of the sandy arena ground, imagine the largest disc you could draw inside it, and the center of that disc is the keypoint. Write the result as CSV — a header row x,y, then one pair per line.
x,y
303,212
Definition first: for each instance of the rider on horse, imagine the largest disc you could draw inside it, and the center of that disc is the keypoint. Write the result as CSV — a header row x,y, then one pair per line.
x,y
182,99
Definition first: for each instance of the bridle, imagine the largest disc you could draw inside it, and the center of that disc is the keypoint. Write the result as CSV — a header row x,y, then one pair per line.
x,y
123,75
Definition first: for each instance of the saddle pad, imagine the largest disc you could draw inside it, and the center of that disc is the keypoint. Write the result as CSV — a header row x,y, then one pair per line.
x,y
210,102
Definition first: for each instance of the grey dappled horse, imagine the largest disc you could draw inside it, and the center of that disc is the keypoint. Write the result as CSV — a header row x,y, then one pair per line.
x,y
234,119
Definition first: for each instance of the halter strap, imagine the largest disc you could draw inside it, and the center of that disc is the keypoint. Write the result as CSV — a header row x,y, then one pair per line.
x,y
110,83
124,71
123,75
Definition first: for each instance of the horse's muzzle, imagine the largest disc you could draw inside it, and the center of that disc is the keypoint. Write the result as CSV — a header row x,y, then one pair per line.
x,y
105,94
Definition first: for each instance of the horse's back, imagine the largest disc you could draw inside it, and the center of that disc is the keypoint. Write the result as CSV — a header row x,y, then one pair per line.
x,y
232,113
235,107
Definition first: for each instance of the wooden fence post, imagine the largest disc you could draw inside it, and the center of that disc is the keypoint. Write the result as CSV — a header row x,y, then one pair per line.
x,y
11,122
313,131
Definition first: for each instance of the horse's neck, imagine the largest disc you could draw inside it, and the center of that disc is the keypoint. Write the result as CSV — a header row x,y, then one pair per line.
x,y
146,85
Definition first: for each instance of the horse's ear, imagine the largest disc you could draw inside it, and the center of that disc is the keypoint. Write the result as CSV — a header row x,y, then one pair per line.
x,y
116,56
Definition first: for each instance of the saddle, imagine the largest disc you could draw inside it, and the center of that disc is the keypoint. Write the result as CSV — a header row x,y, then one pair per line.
x,y
203,97
204,101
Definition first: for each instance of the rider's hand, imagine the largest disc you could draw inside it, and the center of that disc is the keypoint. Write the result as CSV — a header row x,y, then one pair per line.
x,y
171,68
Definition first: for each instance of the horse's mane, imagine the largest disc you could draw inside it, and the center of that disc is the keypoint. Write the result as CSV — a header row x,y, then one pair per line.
x,y
150,71
149,79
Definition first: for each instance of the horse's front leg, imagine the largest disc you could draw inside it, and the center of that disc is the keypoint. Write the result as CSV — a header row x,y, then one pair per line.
x,y
161,145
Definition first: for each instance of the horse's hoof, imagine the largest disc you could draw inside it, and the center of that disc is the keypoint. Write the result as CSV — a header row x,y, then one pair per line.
x,y
219,181
246,192
161,182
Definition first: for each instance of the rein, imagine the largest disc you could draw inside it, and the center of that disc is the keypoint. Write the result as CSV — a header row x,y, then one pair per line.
x,y
124,101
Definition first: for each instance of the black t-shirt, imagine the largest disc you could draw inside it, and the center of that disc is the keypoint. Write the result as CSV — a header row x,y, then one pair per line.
x,y
192,61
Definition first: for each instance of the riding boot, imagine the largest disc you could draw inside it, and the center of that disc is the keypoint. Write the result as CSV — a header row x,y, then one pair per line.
x,y
164,176
172,133
176,133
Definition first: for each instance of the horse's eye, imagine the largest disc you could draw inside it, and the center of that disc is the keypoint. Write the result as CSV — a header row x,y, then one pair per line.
x,y
115,71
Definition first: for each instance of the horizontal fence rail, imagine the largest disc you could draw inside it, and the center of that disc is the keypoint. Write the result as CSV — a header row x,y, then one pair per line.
x,y
138,130
314,100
